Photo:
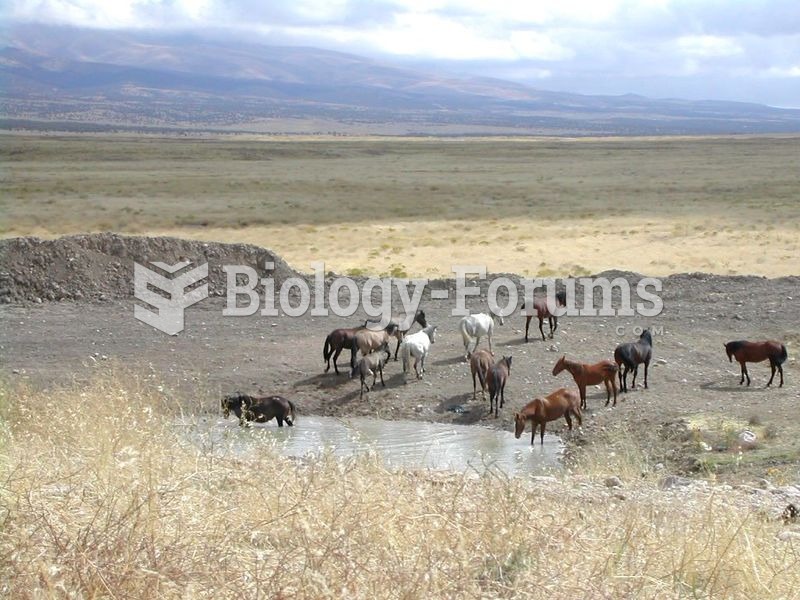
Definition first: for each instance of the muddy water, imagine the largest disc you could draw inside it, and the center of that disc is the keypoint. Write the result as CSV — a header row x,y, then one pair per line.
x,y
408,444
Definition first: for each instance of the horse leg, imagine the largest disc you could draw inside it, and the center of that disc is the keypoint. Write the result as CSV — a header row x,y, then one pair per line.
x,y
335,358
582,389
646,366
550,324
553,326
527,324
534,425
542,435
503,395
608,394
780,370
741,381
279,419
474,385
383,383
489,337
635,373
569,420
396,350
772,376
541,329
744,366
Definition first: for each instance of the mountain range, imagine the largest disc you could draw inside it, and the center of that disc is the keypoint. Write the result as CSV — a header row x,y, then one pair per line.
x,y
86,79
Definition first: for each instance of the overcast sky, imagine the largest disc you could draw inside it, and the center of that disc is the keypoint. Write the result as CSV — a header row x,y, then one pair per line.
x,y
694,49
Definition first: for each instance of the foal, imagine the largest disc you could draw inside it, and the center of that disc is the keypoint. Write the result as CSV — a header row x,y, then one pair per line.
x,y
542,313
605,371
561,403
631,355
744,352
480,363
498,375
372,364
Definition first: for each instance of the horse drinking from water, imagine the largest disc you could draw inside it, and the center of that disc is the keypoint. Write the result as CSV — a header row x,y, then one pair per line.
x,y
259,409
404,326
474,327
338,340
561,403
498,375
745,352
543,312
630,355
372,364
603,372
480,363
369,340
417,345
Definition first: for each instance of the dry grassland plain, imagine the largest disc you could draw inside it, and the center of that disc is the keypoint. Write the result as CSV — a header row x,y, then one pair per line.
x,y
415,207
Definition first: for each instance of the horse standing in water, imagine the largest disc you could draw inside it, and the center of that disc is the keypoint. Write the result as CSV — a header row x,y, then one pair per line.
x,y
630,355
744,352
477,326
480,363
259,409
603,372
561,403
498,375
542,313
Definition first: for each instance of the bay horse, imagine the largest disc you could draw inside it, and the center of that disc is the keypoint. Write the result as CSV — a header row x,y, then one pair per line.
x,y
477,326
403,327
561,403
498,375
744,352
542,313
480,363
372,364
336,341
603,372
417,345
369,340
259,409
630,355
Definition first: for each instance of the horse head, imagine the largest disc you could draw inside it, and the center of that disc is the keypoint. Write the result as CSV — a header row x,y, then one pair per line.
x,y
420,318
519,425
498,319
560,365
431,332
507,360
647,337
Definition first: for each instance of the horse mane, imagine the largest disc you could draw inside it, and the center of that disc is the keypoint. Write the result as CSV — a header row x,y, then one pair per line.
x,y
732,348
647,336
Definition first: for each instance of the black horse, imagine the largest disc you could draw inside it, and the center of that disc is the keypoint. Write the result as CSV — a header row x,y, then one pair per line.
x,y
259,409
630,355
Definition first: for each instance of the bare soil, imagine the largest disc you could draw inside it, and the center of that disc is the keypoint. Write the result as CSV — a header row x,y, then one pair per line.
x,y
688,419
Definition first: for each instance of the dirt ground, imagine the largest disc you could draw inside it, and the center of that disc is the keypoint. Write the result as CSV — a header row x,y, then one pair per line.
x,y
689,419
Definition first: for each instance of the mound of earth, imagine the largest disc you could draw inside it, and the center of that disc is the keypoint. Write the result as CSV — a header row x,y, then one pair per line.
x,y
100,266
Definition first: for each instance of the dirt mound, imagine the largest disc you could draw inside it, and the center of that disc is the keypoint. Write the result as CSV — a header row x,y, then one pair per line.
x,y
100,266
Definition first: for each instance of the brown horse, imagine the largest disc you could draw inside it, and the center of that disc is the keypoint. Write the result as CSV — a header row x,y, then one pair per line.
x,y
372,364
258,408
630,355
480,363
542,313
338,340
744,352
498,375
561,403
369,340
419,317
603,372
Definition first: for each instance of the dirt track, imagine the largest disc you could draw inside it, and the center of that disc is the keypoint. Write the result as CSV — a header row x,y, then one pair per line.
x,y
55,342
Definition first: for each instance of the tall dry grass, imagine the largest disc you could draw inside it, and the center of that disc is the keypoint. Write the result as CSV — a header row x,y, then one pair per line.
x,y
103,496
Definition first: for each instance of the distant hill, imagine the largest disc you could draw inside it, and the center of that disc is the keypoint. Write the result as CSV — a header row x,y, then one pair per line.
x,y
66,78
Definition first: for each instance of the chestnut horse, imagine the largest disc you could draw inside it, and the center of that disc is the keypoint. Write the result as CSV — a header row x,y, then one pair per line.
x,y
603,372
744,352
561,403
480,363
369,340
631,355
258,408
542,313
402,328
338,340
498,375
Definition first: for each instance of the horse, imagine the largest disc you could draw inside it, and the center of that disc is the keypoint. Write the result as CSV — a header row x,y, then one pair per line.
x,y
338,340
631,355
258,408
476,326
561,403
605,371
542,313
744,352
498,375
369,340
417,345
372,364
479,365
402,328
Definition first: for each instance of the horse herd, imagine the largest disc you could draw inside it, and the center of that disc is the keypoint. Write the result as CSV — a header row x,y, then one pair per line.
x,y
373,347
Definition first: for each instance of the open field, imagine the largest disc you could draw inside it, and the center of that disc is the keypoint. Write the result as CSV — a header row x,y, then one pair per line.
x,y
418,206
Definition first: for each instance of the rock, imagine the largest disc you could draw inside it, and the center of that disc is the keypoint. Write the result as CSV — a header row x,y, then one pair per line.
x,y
612,482
747,439
674,481
789,536
553,348
661,361
763,483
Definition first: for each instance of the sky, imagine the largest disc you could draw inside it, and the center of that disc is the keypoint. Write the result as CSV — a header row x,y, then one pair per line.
x,y
742,50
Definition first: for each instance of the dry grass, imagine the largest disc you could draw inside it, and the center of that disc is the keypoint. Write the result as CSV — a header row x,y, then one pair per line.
x,y
103,497
658,206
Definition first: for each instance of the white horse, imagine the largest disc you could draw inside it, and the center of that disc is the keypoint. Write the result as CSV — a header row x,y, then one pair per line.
x,y
417,345
475,327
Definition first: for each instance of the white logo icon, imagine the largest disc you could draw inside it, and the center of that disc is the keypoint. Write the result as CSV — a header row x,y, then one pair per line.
x,y
168,316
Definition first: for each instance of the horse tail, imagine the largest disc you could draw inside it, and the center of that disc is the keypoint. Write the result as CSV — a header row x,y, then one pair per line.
x,y
353,352
291,409
326,349
783,355
464,333
404,354
481,376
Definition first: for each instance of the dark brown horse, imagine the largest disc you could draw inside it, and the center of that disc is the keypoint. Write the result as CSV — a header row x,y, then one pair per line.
x,y
338,340
561,403
259,409
480,363
498,375
542,313
745,352
399,333
630,355
603,372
